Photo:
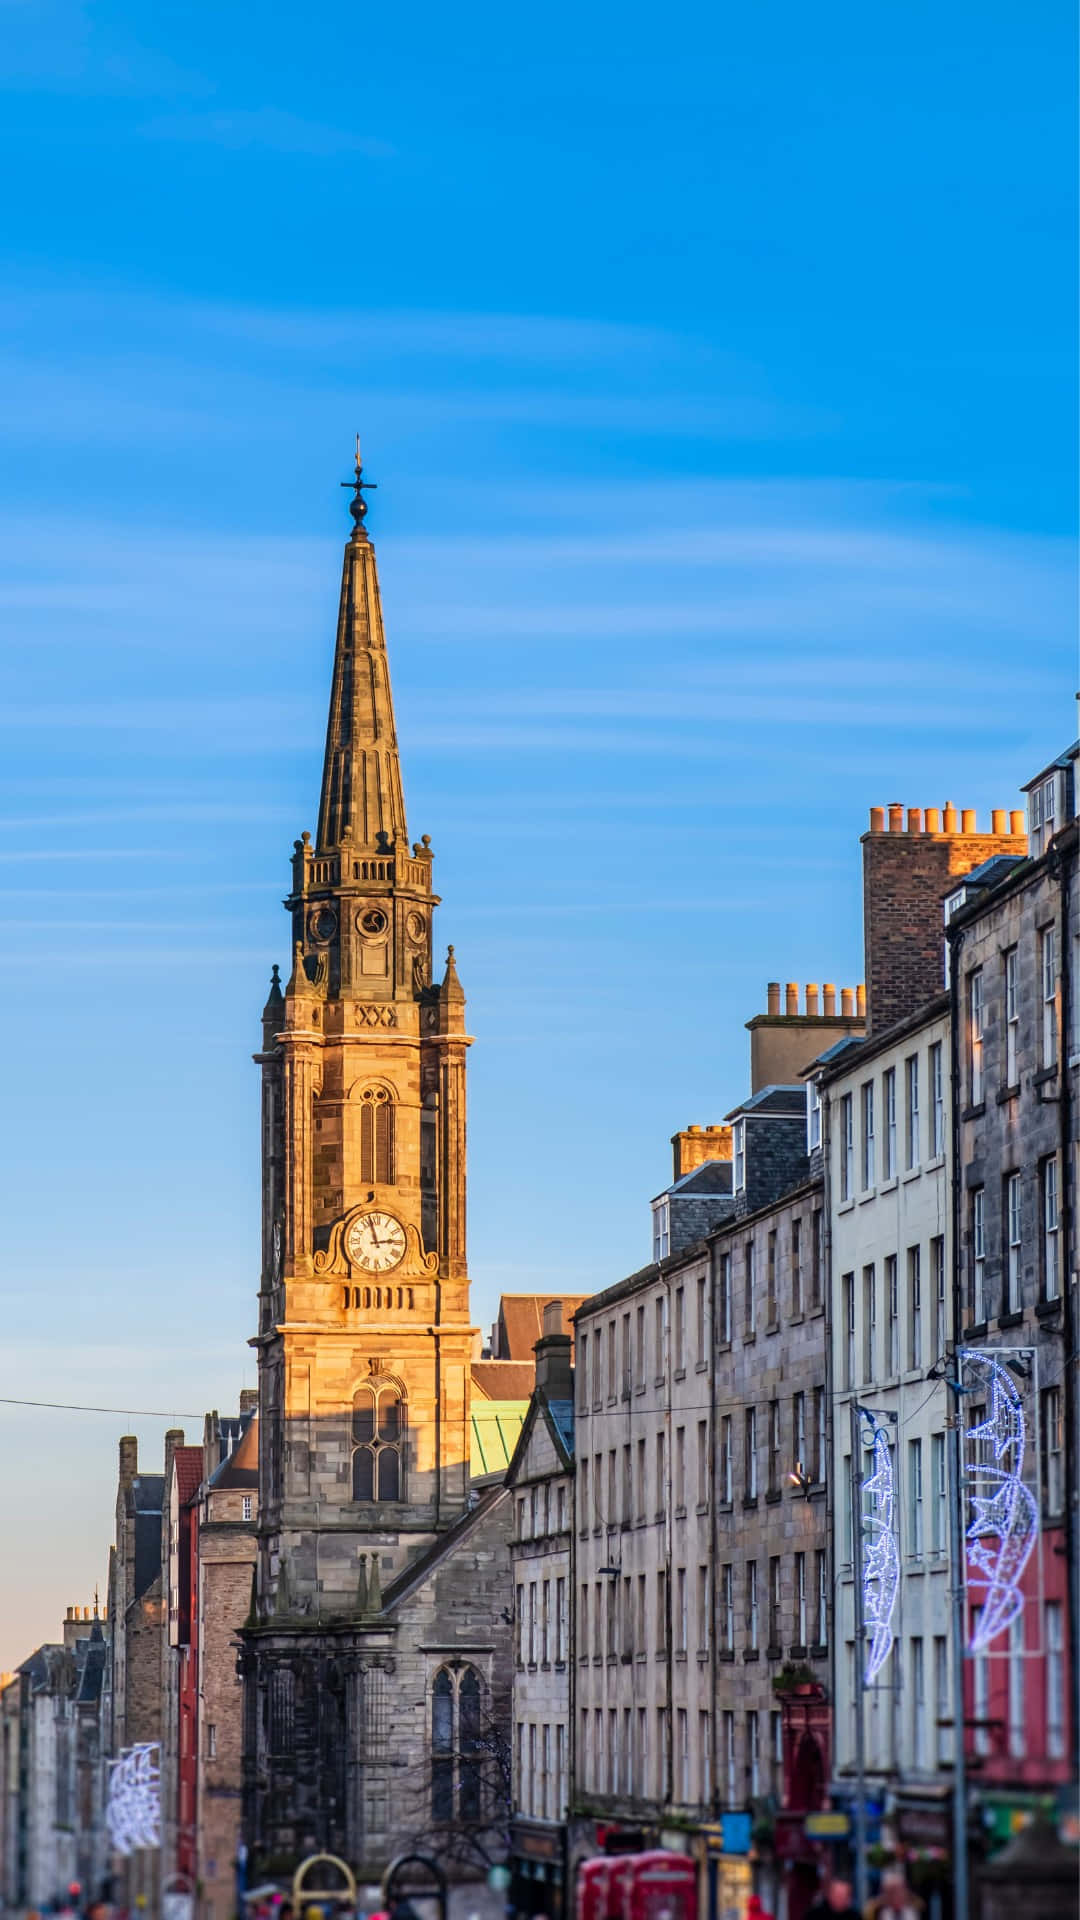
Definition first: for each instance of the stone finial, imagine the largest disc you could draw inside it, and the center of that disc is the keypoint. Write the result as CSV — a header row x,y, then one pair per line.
x,y
451,988
374,1598
362,1586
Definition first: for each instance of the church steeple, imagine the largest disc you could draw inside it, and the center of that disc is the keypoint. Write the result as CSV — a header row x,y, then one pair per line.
x,y
362,798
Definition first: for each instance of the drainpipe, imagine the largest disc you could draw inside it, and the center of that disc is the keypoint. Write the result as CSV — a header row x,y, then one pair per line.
x,y
1062,867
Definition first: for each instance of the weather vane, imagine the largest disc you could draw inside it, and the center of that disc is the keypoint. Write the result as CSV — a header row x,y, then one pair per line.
x,y
358,505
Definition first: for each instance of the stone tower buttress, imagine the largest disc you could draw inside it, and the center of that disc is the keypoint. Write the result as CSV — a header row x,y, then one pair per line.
x,y
364,1338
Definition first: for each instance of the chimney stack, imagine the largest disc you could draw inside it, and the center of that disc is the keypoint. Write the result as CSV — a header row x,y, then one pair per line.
x,y
554,1371
907,873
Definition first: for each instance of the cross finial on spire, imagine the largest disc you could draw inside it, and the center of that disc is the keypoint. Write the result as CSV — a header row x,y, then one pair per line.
x,y
358,505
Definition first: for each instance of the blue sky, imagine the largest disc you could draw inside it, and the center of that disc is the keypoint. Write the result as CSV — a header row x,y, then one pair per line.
x,y
717,367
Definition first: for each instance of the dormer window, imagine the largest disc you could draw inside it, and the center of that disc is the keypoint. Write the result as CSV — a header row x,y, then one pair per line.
x,y
738,1140
661,1229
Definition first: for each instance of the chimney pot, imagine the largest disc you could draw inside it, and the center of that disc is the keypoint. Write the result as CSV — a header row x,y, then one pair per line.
x,y
847,1002
860,1000
1018,820
829,1000
933,820
914,819
792,997
812,998
967,820
999,820
896,817
773,996
950,817
877,819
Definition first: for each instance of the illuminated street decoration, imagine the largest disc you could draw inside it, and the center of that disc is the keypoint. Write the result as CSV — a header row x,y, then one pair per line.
x,y
133,1808
881,1561
1005,1521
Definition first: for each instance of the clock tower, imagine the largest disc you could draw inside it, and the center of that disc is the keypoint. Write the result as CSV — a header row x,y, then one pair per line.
x,y
364,1341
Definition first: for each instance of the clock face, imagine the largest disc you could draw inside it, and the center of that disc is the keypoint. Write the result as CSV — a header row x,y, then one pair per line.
x,y
376,1242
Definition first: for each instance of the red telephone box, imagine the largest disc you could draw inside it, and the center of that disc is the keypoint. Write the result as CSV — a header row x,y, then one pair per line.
x,y
592,1887
660,1886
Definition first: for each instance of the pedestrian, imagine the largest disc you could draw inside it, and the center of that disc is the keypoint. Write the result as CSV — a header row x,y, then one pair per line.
x,y
895,1900
755,1910
834,1902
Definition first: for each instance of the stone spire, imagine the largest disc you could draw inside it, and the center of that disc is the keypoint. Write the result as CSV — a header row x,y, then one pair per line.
x,y
362,798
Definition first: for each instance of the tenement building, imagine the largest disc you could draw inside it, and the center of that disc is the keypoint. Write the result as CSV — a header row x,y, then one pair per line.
x,y
886,1119
701,1585
1014,957
540,1479
377,1658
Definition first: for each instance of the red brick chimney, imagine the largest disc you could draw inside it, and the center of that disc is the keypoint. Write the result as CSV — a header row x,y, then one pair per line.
x,y
908,869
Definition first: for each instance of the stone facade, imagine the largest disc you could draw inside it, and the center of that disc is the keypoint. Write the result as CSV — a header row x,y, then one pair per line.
x,y
540,1480
134,1690
51,1836
225,1564
887,1121
364,1343
1014,949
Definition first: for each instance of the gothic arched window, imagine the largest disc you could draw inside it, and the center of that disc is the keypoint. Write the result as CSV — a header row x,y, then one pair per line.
x,y
457,1745
377,1136
378,1437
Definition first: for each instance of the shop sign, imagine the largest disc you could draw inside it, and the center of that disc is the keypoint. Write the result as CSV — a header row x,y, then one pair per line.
x,y
736,1829
826,1825
924,1826
535,1845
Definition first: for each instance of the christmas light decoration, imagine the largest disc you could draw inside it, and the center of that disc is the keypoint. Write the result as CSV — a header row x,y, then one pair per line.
x,y
133,1807
881,1561
1005,1520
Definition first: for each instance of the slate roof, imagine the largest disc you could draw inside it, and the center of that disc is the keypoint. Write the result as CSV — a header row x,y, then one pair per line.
x,y
503,1379
562,1415
240,1468
787,1102
521,1321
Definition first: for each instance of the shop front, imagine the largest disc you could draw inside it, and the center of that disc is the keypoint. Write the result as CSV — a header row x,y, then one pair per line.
x,y
538,1869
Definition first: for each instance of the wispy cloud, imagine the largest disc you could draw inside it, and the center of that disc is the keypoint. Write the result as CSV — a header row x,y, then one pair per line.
x,y
270,128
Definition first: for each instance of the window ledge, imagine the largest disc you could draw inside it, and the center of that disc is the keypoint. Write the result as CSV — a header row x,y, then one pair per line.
x,y
796,1320
774,1651
867,1194
817,1311
819,1650
749,1500
772,1326
797,1652
748,1339
680,1513
976,1331
1011,1319
935,1163
680,1657
702,1507
1008,1093
774,1495
890,1185
723,1346
751,1653
1044,1075
703,1655
727,1654
975,1112
680,1373
1047,1309
846,1206
913,1173
702,1366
